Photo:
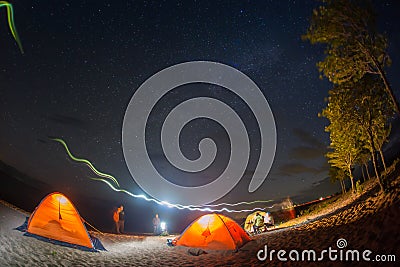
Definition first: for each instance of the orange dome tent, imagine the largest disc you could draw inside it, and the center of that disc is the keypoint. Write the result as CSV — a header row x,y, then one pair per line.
x,y
57,218
213,231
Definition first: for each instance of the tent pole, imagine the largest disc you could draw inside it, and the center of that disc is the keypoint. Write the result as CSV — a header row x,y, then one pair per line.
x,y
236,247
59,210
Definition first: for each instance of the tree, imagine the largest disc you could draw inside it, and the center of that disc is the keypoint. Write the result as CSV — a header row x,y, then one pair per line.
x,y
363,160
344,158
381,134
354,48
337,174
345,138
358,113
373,111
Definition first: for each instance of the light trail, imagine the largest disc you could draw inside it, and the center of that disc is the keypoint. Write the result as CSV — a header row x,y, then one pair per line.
x,y
206,208
11,24
235,204
177,206
87,162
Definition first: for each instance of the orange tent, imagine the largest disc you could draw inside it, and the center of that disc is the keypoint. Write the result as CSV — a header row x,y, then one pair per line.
x,y
213,231
57,218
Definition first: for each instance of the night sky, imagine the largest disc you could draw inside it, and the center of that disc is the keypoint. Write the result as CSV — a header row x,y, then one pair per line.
x,y
84,60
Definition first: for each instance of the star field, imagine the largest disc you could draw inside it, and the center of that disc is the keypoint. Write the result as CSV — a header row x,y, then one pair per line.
x,y
84,60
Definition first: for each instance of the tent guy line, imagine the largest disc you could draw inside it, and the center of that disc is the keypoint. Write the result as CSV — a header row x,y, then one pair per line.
x,y
208,208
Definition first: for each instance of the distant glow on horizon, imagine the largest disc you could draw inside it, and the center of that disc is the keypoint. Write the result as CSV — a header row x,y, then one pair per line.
x,y
207,208
11,24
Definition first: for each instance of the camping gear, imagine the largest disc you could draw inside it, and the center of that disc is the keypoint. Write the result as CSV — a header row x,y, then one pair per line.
x,y
56,219
214,232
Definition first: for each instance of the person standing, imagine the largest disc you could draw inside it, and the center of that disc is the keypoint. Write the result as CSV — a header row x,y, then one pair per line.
x,y
156,225
116,220
121,219
258,223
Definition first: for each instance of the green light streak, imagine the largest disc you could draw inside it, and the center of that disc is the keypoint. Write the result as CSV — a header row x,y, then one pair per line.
x,y
87,162
207,208
11,24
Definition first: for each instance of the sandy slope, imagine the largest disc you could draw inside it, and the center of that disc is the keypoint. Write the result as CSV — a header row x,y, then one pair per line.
x,y
370,222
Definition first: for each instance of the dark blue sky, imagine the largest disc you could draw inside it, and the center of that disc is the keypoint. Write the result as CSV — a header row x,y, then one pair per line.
x,y
84,60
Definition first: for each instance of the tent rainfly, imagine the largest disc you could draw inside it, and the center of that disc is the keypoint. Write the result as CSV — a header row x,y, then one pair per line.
x,y
57,219
214,232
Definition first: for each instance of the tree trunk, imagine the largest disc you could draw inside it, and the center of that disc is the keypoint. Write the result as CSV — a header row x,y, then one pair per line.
x,y
366,167
363,174
372,150
384,79
383,159
376,172
343,186
353,188
388,88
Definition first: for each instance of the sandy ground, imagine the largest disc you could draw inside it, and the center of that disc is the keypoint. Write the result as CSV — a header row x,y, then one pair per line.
x,y
371,221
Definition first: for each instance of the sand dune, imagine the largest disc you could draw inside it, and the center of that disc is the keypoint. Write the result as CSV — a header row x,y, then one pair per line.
x,y
372,221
